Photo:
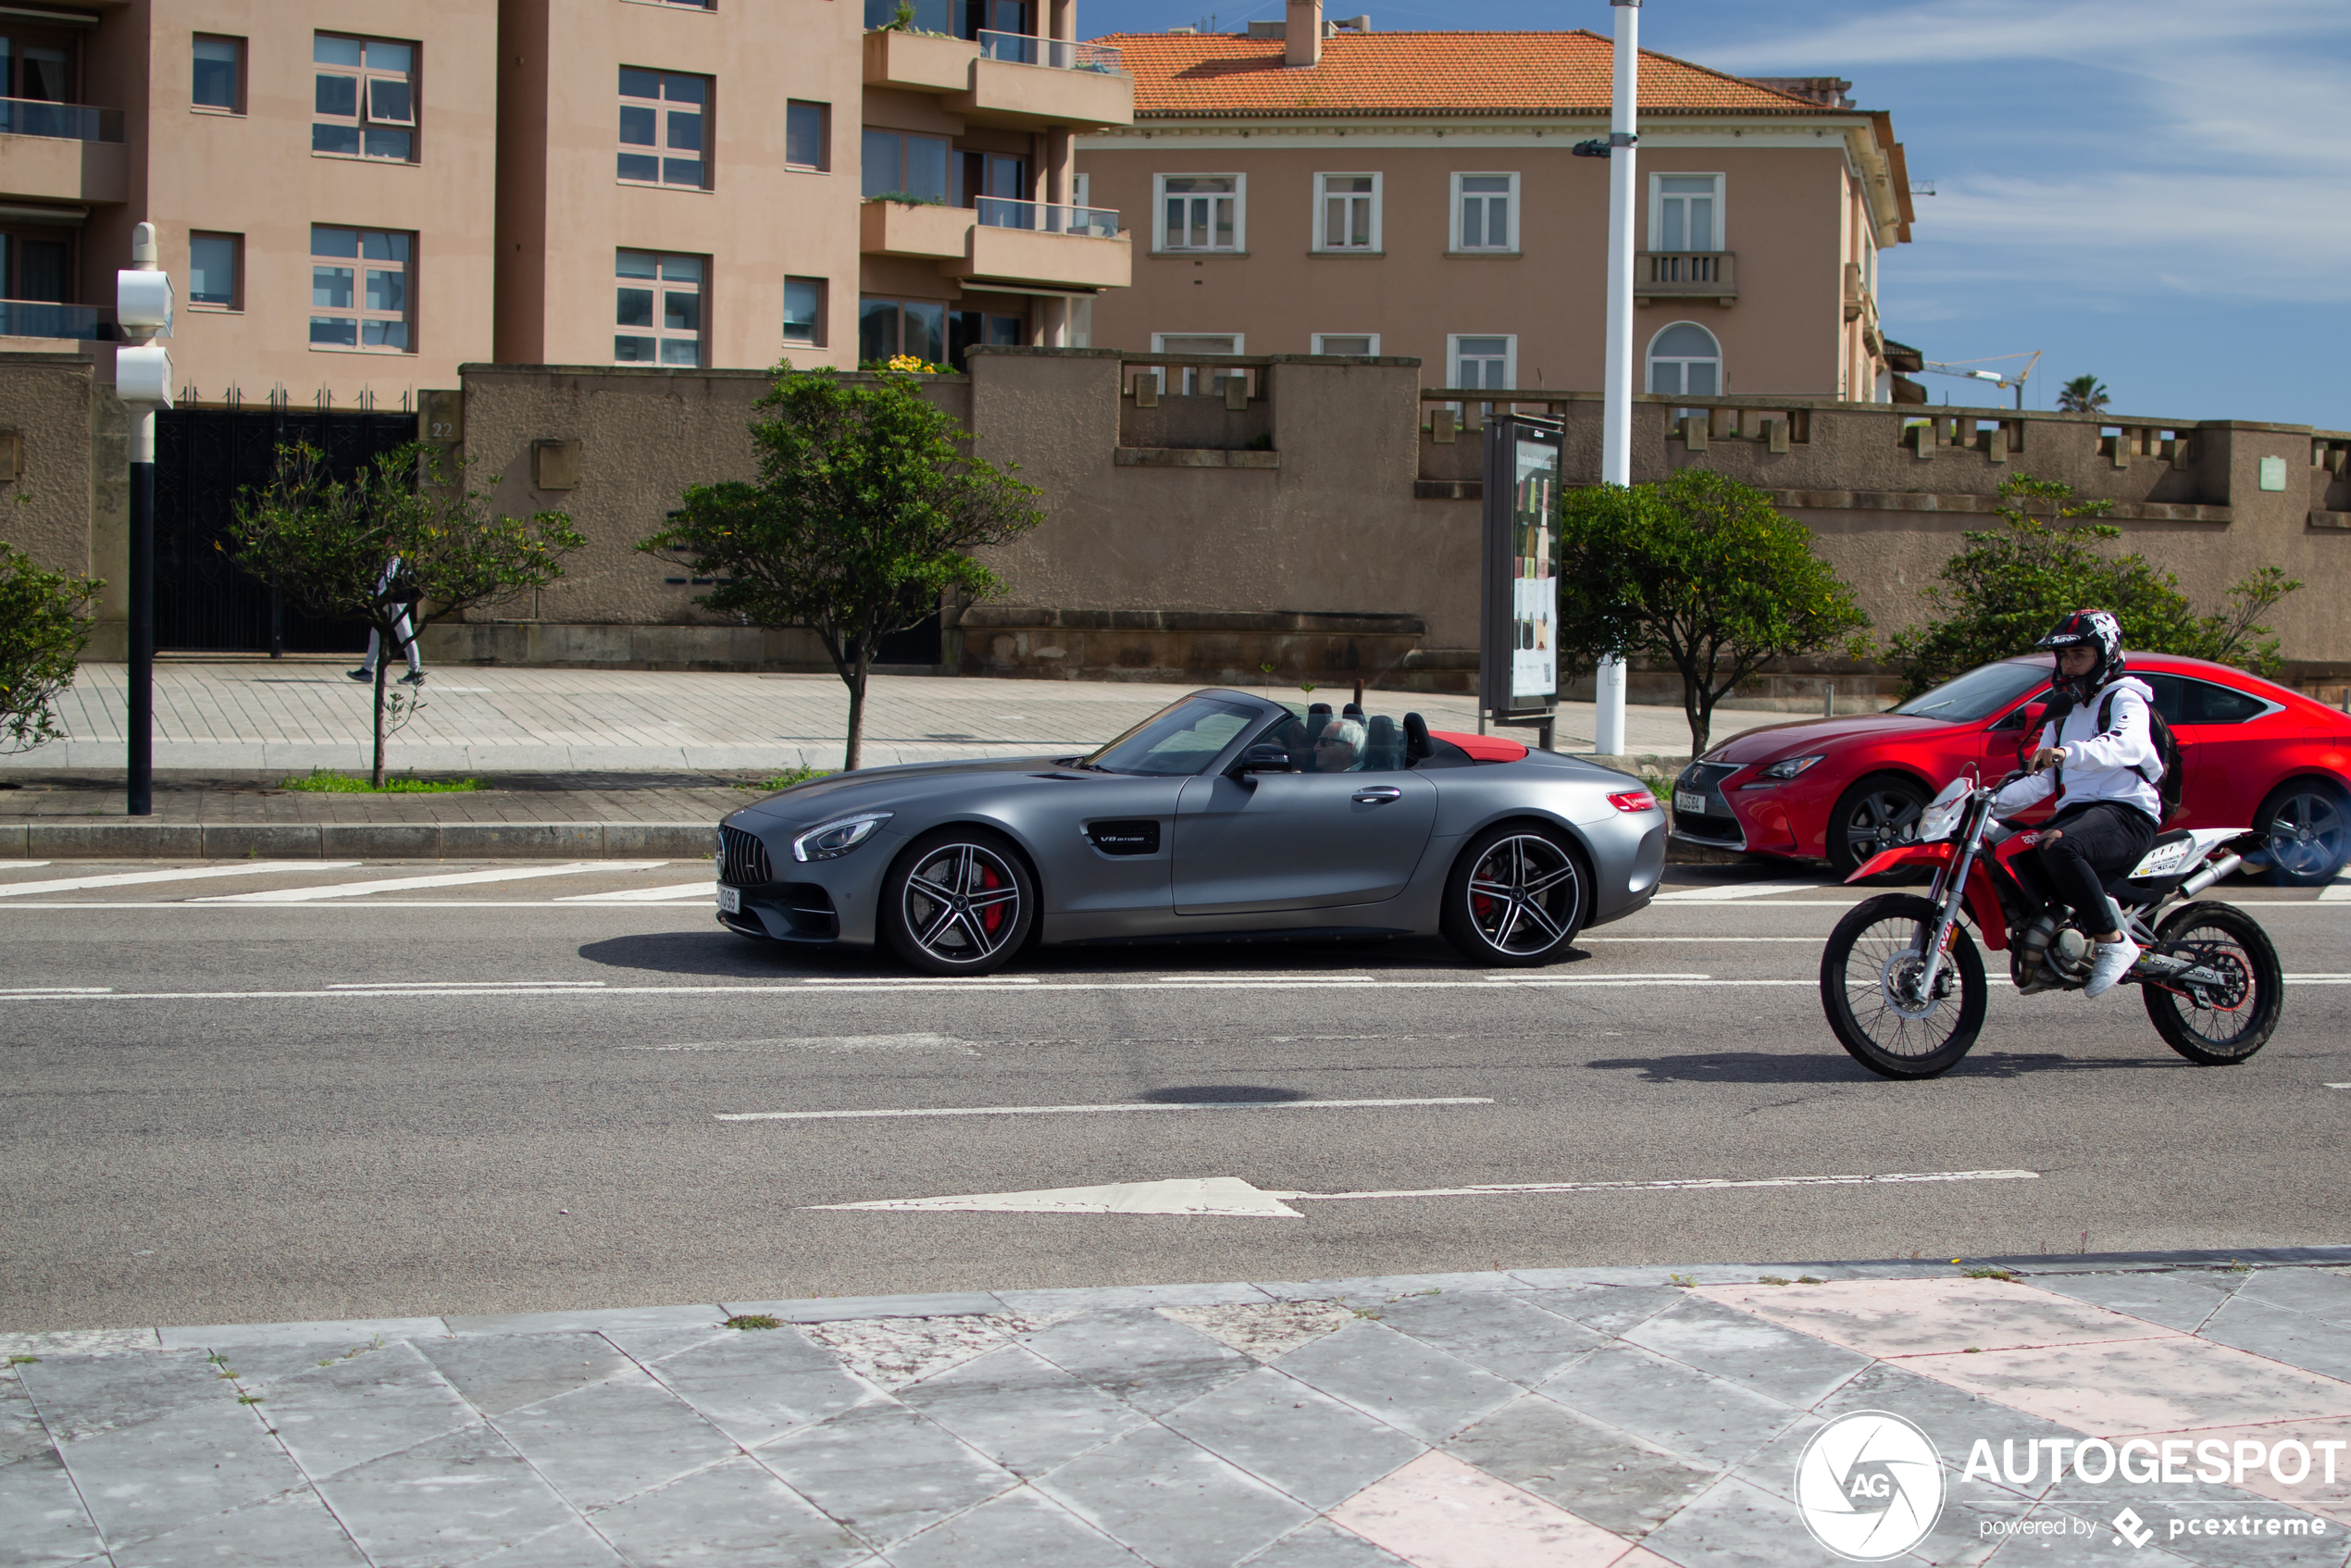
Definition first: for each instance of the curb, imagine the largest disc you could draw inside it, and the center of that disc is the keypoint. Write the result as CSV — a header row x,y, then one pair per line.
x,y
346,841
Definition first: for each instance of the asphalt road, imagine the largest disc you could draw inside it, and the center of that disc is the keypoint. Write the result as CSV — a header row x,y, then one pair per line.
x,y
519,1106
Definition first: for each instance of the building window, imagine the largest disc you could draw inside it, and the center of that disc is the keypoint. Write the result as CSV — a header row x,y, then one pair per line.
x,y
36,267
1484,362
664,127
1359,344
887,328
967,328
808,135
804,311
1686,212
366,103
1485,212
359,289
220,74
1203,212
660,311
904,167
215,270
1685,361
1346,212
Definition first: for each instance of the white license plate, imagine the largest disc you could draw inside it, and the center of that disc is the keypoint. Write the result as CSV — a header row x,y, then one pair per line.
x,y
1693,803
730,899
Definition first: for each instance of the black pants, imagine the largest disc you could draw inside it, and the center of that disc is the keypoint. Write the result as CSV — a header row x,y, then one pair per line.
x,y
2099,840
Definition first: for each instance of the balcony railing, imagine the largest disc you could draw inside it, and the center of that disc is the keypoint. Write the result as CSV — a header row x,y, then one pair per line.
x,y
1685,275
1048,218
1021,49
70,122
42,318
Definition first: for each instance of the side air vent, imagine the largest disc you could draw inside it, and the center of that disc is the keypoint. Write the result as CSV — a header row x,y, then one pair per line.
x,y
1139,836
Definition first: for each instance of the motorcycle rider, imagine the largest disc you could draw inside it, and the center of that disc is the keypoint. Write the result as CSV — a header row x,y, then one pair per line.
x,y
2104,778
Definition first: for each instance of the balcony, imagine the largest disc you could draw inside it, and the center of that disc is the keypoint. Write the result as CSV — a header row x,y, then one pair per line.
x,y
43,319
927,229
1010,79
65,122
1043,243
1684,275
1021,49
62,152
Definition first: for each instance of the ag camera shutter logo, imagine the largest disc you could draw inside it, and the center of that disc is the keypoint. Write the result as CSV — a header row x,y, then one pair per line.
x,y
1869,1486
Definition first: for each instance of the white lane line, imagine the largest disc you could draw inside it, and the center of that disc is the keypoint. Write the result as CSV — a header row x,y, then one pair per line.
x,y
22,864
2339,1086
812,989
9,992
184,874
1086,1109
444,879
1709,1184
493,986
2337,891
1753,890
707,889
926,980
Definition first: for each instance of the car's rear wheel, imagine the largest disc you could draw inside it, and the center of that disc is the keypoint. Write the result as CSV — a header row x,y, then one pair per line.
x,y
2306,827
1876,813
959,901
1516,897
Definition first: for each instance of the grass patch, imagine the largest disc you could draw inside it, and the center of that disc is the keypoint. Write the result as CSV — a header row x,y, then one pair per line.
x,y
754,1319
787,779
1987,1272
323,781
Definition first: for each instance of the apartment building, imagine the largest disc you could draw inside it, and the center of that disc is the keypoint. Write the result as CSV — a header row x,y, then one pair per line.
x,y
1314,187
356,196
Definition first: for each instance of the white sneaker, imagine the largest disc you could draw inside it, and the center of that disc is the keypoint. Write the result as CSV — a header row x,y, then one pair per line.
x,y
2109,963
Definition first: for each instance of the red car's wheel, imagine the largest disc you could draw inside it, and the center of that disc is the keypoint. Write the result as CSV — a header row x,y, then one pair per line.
x,y
1876,813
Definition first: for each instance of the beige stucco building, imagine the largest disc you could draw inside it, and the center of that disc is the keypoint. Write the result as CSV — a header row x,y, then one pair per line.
x,y
1312,187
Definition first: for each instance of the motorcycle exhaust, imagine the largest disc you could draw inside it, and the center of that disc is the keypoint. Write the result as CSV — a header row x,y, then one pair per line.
x,y
2210,875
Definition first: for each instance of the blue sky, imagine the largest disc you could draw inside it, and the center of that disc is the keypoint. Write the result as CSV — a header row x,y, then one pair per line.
x,y
2153,192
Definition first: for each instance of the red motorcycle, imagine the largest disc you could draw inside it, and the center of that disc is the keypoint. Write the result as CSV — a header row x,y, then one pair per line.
x,y
1903,985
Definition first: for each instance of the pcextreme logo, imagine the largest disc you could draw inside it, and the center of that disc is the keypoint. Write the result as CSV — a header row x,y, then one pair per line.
x,y
1869,1486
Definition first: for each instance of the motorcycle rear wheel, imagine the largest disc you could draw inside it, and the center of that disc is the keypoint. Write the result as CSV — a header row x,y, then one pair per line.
x,y
1865,956
2225,937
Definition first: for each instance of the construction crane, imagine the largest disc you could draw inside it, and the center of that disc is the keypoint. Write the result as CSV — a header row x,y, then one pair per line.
x,y
1961,367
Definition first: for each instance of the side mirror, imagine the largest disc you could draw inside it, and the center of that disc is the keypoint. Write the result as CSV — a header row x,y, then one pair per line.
x,y
1263,759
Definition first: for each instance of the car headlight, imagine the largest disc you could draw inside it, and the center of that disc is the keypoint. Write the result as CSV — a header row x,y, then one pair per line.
x,y
1789,767
837,838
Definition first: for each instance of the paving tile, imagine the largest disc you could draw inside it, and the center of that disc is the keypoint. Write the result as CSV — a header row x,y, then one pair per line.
x,y
1368,1288
1261,1329
82,1395
1781,1363
2324,1293
2167,1384
695,1316
1021,1410
885,1471
824,1308
352,1331
1909,1317
333,1417
2314,1344
450,1500
1607,1309
646,1346
1146,1359
2178,1299
1439,1512
1509,1337
1130,1296
735,1514
760,1384
1953,1420
192,1458
888,1352
1020,1529
259,1368
1736,1525
42,1519
1617,1482
2316,1490
1968,1532
1175,1504
1699,1417
504,1372
1304,1442
291,1531
569,1544
1403,1382
1324,1546
601,1444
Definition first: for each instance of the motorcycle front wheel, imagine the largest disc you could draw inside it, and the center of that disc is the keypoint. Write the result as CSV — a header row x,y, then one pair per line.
x,y
2224,1026
1869,990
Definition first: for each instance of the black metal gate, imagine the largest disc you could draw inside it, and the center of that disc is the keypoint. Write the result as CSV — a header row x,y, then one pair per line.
x,y
205,458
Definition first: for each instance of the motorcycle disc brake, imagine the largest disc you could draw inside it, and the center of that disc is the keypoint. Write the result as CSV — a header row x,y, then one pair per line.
x,y
1897,982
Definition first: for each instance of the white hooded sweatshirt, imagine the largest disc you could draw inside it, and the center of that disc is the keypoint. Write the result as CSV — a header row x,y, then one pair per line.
x,y
2118,763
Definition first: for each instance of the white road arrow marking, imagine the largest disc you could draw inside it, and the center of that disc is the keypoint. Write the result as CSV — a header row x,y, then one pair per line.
x,y
706,890
446,879
1749,890
185,873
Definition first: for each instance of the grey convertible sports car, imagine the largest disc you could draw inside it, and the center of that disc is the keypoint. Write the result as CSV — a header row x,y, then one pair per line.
x,y
1224,814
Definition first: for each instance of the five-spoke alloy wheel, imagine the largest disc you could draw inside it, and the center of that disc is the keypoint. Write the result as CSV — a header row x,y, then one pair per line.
x,y
958,901
1515,897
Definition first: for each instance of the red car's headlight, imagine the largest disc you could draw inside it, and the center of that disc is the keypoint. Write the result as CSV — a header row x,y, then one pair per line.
x,y
1634,800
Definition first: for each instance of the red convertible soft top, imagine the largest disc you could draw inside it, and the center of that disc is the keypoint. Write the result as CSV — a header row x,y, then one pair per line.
x,y
1482,748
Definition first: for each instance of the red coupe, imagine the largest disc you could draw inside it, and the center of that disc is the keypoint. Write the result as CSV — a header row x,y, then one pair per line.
x,y
1843,788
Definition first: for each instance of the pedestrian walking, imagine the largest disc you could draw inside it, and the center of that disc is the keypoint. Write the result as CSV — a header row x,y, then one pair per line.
x,y
366,671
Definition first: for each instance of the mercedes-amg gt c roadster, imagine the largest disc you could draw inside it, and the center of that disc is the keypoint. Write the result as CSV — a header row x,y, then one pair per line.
x,y
1222,816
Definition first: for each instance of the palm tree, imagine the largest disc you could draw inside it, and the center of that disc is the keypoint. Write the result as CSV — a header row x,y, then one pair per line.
x,y
2084,395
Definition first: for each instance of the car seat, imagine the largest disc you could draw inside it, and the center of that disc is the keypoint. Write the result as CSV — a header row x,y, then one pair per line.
x,y
1383,745
1417,745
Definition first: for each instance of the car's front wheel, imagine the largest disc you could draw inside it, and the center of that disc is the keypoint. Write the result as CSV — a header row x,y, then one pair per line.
x,y
2306,827
1516,896
958,901
1877,814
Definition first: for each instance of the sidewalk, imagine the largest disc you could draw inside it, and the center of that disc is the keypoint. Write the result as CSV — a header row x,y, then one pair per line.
x,y
1552,1418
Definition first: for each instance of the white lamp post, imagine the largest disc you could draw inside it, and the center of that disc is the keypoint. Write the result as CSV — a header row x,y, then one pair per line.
x,y
142,379
1616,417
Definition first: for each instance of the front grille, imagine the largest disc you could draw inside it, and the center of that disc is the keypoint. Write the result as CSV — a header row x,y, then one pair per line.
x,y
1704,776
742,859
1720,829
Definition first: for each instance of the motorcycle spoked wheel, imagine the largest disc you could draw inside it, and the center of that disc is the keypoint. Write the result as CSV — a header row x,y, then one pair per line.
x,y
2236,1025
1891,1036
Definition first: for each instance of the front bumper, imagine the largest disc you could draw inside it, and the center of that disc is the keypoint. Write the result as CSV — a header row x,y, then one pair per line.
x,y
814,902
1717,827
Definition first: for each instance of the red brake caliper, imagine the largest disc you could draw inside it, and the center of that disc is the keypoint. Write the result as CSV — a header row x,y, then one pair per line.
x,y
994,916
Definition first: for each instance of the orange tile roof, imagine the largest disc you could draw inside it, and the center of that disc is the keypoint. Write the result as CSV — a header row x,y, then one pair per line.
x,y
1223,75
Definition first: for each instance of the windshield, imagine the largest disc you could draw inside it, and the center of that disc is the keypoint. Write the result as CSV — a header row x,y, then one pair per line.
x,y
1979,693
1180,738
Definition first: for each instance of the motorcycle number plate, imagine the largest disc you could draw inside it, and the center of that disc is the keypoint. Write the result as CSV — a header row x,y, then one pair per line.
x,y
1684,799
730,899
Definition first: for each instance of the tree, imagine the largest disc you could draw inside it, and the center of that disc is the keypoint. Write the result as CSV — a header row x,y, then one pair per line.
x,y
45,624
326,543
2006,585
862,516
2084,395
1700,571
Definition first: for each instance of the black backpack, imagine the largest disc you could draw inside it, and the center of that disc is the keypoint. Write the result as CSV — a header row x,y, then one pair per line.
x,y
2168,786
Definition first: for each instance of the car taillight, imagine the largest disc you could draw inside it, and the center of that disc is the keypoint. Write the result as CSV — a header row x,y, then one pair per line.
x,y
1634,800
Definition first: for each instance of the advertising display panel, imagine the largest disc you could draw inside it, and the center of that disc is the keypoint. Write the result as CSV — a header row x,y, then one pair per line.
x,y
1518,679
